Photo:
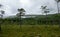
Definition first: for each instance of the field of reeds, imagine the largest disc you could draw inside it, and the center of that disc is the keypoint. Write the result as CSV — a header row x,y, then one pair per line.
x,y
30,31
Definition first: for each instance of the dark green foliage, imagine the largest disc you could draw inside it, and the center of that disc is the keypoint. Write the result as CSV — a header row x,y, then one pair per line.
x,y
51,19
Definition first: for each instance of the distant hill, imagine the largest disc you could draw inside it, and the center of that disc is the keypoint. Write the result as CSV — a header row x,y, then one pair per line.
x,y
37,16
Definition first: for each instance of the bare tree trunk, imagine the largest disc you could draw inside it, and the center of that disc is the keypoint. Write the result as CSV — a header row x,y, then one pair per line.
x,y
58,13
57,8
46,18
0,27
20,22
1,22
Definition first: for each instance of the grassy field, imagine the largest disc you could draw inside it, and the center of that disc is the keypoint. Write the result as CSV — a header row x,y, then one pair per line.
x,y
30,31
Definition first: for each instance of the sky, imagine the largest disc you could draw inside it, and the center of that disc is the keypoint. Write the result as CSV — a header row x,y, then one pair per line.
x,y
31,6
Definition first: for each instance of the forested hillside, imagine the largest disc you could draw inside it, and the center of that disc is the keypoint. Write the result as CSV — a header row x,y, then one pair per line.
x,y
38,20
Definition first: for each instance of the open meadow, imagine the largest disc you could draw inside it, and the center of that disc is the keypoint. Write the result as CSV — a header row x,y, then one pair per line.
x,y
30,31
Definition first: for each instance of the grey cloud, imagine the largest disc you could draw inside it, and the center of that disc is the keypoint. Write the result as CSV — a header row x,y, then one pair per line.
x,y
33,8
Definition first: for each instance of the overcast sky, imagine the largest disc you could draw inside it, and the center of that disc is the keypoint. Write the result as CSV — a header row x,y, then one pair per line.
x,y
31,6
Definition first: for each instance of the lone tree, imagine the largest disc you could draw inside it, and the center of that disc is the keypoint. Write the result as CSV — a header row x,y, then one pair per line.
x,y
58,10
57,5
1,14
0,22
45,10
21,13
